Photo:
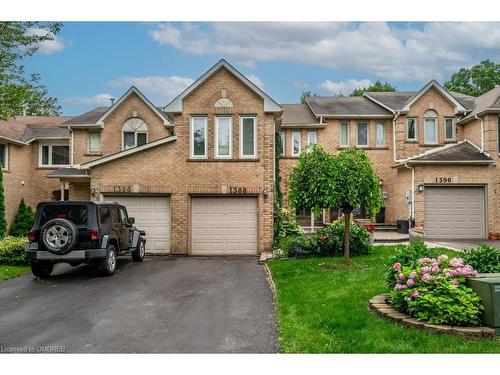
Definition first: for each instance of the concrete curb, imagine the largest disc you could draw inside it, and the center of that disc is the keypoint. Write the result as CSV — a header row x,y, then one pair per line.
x,y
381,307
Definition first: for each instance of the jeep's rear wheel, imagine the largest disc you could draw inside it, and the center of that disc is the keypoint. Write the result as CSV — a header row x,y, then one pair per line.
x,y
41,269
107,266
138,254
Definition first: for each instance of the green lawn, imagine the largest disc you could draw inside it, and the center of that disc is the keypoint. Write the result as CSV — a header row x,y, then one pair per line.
x,y
8,272
324,309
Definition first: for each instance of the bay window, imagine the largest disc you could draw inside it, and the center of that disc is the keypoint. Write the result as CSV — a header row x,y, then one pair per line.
x,y
362,134
223,135
248,137
198,138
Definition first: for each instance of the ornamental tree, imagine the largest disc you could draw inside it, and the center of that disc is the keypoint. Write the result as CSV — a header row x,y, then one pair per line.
x,y
312,180
355,185
23,221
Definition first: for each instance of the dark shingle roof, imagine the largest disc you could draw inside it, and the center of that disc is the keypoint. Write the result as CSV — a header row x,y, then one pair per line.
x,y
67,172
393,100
459,152
297,114
27,128
88,118
346,106
489,100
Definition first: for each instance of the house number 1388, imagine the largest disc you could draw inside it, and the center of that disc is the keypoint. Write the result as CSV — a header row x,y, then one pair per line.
x,y
237,190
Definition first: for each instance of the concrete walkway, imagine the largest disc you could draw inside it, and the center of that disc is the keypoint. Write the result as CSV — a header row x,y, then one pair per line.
x,y
461,245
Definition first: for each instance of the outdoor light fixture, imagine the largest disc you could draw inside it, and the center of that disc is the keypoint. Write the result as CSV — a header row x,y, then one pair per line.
x,y
265,192
421,188
93,192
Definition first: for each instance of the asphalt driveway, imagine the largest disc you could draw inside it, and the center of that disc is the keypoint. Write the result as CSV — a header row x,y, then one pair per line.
x,y
163,305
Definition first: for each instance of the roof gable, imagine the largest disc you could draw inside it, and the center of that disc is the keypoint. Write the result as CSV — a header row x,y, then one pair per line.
x,y
175,106
459,108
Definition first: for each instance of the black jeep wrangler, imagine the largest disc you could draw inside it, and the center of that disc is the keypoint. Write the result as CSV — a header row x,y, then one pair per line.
x,y
78,232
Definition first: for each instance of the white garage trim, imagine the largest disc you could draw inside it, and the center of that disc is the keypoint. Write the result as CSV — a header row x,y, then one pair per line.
x,y
152,213
224,225
455,211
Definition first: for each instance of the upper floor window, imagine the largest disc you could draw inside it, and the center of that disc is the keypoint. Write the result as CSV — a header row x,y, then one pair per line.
x,y
344,134
411,129
380,134
282,145
223,135
295,143
198,139
311,139
449,129
135,133
430,127
248,137
4,155
53,155
362,136
94,143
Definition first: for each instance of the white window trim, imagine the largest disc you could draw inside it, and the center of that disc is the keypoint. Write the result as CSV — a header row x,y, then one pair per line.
x,y
309,138
283,143
367,134
217,118
191,138
6,156
376,134
416,129
436,133
50,145
340,136
453,129
293,142
88,143
254,155
135,138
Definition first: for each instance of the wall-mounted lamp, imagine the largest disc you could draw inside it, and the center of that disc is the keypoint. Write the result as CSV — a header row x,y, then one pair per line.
x,y
265,192
93,192
22,183
421,188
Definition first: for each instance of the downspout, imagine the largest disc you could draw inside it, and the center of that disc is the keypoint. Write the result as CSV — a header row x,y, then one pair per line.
x,y
482,131
72,146
412,211
394,136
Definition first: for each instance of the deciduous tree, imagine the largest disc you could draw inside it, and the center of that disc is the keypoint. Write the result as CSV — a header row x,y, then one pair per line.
x,y
475,81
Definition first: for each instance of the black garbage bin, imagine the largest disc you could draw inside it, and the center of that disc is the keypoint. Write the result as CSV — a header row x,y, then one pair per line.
x,y
403,226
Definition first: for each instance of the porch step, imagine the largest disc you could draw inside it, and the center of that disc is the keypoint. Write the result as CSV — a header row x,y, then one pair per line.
x,y
384,227
389,237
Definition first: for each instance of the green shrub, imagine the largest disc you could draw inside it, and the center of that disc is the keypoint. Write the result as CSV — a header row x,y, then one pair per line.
x,y
407,256
484,259
329,240
293,245
12,251
23,221
3,221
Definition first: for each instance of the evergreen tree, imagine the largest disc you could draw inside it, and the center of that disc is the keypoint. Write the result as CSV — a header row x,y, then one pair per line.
x,y
25,217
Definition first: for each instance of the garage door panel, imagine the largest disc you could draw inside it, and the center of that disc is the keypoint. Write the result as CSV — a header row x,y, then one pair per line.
x,y
223,226
152,214
454,212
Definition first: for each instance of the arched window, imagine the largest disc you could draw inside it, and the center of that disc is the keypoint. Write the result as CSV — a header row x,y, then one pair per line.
x,y
224,103
135,133
430,127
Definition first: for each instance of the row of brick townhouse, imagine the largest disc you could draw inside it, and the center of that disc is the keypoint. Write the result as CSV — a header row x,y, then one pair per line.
x,y
198,174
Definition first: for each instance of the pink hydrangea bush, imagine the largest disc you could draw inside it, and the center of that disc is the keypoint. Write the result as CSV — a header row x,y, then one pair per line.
x,y
434,290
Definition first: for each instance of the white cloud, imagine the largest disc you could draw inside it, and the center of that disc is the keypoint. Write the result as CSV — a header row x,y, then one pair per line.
x,y
300,85
159,89
414,52
100,100
256,80
48,47
344,87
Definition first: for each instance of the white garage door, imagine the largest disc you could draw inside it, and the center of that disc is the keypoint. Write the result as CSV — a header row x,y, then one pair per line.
x,y
151,214
454,212
224,226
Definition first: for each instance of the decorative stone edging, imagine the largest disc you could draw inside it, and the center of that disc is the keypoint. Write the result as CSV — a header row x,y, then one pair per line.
x,y
380,306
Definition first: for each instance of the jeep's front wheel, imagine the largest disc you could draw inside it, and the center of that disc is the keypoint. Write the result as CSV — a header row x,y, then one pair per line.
x,y
41,269
138,254
107,266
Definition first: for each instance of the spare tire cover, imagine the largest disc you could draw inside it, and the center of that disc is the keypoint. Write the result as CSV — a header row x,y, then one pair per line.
x,y
59,236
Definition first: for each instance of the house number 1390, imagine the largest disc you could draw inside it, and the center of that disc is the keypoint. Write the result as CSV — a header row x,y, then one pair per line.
x,y
443,180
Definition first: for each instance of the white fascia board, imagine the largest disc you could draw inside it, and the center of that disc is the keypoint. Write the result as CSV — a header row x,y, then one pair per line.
x,y
133,89
458,107
10,140
128,152
45,138
175,106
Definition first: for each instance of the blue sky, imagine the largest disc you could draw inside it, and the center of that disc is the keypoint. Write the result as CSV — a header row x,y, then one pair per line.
x,y
89,62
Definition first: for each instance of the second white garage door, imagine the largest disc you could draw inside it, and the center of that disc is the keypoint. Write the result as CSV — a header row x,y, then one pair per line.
x,y
223,226
152,214
454,212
